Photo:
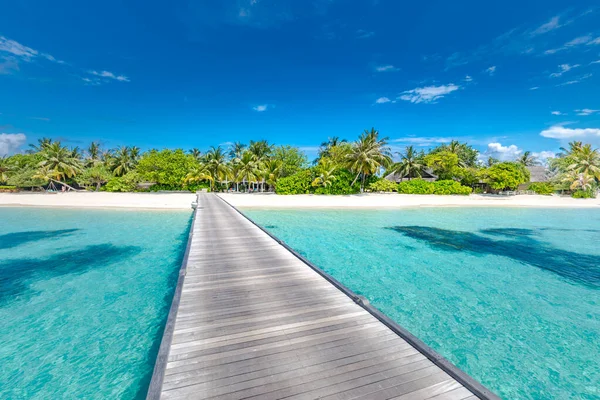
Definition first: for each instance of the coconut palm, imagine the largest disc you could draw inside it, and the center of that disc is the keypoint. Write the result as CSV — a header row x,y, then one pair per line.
x,y
59,159
41,145
261,149
5,168
527,159
236,150
134,154
411,164
198,174
216,163
247,169
586,161
369,154
271,171
491,161
582,182
196,153
325,149
93,158
122,161
326,177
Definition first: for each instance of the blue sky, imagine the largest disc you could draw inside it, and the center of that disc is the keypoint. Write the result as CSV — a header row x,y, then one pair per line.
x,y
505,76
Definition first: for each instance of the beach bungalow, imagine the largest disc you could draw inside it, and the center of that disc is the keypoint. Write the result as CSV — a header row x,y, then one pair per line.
x,y
425,175
538,173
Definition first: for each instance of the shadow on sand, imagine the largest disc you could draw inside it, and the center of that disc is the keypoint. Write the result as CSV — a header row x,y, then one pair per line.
x,y
518,244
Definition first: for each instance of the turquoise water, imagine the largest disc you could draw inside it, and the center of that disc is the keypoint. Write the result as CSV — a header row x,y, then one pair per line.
x,y
84,296
511,296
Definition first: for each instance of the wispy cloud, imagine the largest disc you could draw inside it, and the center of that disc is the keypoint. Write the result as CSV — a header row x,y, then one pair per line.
x,y
534,88
109,75
557,113
40,119
578,41
10,142
549,26
575,81
13,53
363,34
562,69
468,78
595,62
428,94
560,132
586,111
422,141
382,100
386,68
491,70
261,108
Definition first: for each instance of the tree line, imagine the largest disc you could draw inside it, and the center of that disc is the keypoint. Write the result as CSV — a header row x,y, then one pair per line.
x,y
341,167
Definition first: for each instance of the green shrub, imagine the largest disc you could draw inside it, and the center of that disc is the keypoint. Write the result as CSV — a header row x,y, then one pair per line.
x,y
415,186
383,185
447,187
299,183
584,194
125,183
544,188
8,189
342,184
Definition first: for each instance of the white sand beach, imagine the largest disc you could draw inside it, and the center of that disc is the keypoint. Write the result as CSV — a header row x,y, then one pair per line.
x,y
391,200
183,201
178,201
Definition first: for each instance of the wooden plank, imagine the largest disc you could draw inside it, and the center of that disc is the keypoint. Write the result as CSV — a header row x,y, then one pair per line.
x,y
254,321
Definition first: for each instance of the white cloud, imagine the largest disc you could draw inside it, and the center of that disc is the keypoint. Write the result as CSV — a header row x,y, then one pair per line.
x,y
363,34
551,25
422,141
110,75
574,81
17,49
500,152
468,78
595,62
562,69
10,142
560,132
382,100
556,113
543,156
491,70
534,88
9,66
594,42
586,111
428,94
578,41
261,108
386,68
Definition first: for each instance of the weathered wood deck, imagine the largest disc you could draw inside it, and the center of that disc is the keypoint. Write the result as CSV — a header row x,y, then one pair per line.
x,y
251,320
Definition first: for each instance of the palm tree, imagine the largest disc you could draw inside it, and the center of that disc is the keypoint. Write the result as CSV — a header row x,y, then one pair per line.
x,y
134,154
574,147
5,168
216,162
236,150
410,165
491,161
527,159
582,182
586,161
198,174
122,161
326,178
42,144
247,169
196,153
93,158
59,159
369,154
271,171
260,149
326,147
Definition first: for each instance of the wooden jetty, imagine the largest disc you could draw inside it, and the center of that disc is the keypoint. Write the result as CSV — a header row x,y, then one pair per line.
x,y
252,319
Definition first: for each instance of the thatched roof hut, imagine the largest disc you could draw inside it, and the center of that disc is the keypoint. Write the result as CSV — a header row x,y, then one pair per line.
x,y
397,178
538,173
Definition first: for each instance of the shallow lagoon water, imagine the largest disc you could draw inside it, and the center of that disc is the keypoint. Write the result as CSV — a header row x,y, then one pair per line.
x,y
511,296
84,296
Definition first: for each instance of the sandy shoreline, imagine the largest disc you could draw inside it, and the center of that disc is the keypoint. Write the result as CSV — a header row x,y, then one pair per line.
x,y
164,201
386,201
183,201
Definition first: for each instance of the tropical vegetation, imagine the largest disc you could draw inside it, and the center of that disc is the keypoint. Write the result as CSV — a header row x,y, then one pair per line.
x,y
341,167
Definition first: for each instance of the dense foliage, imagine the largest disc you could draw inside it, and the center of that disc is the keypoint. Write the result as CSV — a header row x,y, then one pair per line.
x,y
342,167
543,188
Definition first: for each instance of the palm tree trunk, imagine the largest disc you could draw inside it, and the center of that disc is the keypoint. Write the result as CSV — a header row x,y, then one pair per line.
x,y
362,183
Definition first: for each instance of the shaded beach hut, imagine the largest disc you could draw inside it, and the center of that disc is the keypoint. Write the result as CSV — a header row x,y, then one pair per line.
x,y
397,177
